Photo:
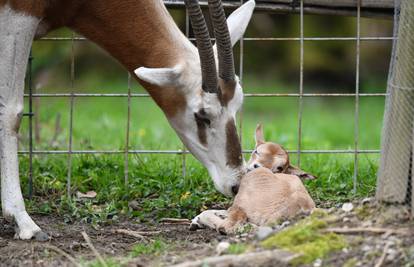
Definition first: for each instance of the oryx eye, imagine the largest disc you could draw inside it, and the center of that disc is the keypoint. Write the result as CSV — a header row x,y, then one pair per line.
x,y
202,117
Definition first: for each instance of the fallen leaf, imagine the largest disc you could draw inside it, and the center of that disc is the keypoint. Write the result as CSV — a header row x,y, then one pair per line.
x,y
89,194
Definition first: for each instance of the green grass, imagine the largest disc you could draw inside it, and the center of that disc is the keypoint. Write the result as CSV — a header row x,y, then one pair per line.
x,y
156,181
156,247
237,248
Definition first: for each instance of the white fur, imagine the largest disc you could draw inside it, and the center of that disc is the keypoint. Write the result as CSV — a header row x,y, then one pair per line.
x,y
239,19
163,77
210,218
16,34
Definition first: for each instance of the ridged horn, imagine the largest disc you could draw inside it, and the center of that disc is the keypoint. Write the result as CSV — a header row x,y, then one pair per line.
x,y
223,40
205,48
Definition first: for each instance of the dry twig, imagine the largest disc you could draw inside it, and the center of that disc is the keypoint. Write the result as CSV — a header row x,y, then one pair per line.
x,y
175,221
64,254
384,254
137,234
97,255
372,230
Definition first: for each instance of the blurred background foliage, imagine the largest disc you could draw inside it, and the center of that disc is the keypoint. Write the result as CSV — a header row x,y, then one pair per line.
x,y
329,65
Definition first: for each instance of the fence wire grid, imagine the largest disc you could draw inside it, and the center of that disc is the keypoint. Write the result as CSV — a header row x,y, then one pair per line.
x,y
395,182
356,151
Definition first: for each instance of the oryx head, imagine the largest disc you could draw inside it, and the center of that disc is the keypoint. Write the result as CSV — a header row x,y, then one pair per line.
x,y
206,124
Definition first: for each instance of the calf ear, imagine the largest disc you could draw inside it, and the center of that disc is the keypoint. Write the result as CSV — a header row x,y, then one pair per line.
x,y
300,173
259,135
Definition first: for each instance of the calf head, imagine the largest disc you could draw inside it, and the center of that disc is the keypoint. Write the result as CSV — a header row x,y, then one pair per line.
x,y
274,157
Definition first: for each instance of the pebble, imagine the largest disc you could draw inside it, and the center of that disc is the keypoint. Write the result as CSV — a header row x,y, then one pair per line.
x,y
347,207
317,263
366,248
222,247
367,224
263,232
366,200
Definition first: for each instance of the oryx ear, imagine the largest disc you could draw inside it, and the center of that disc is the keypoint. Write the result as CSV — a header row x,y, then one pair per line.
x,y
163,77
238,21
300,173
259,135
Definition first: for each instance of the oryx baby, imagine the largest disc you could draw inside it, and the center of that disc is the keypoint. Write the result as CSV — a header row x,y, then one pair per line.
x,y
271,190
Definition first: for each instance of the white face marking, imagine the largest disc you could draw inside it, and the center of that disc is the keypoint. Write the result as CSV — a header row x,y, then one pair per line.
x,y
213,155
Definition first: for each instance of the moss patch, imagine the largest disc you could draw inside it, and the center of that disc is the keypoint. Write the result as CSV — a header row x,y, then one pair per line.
x,y
237,248
307,238
156,247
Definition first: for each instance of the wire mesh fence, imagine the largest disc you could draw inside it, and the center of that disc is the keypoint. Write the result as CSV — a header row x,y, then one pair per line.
x,y
301,7
395,175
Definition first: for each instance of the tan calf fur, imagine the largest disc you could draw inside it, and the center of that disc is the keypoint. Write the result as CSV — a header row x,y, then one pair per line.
x,y
273,157
266,195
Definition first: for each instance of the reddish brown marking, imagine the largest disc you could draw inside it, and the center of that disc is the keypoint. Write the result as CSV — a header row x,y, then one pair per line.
x,y
33,7
227,91
136,33
201,131
236,215
233,147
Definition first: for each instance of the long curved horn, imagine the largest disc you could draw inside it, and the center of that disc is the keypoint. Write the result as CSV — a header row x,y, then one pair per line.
x,y
205,48
223,40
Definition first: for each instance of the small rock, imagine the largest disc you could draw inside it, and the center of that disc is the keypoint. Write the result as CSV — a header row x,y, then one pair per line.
x,y
392,255
346,219
331,210
347,207
317,263
222,247
367,224
366,248
366,200
263,232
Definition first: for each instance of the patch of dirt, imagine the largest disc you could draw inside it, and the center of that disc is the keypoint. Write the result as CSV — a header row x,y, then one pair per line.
x,y
394,247
365,248
182,243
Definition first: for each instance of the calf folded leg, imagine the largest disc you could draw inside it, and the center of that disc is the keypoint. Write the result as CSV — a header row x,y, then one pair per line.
x,y
16,36
209,219
236,218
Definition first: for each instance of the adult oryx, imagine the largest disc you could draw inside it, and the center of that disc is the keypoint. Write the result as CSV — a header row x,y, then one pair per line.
x,y
199,102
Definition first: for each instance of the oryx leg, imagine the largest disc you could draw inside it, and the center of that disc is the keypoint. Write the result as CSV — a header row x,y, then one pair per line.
x,y
16,36
209,219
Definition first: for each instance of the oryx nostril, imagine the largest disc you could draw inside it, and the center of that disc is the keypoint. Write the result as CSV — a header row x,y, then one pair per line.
x,y
235,189
256,166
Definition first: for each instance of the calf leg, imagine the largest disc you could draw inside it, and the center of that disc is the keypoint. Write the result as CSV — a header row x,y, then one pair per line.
x,y
236,218
16,36
209,218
